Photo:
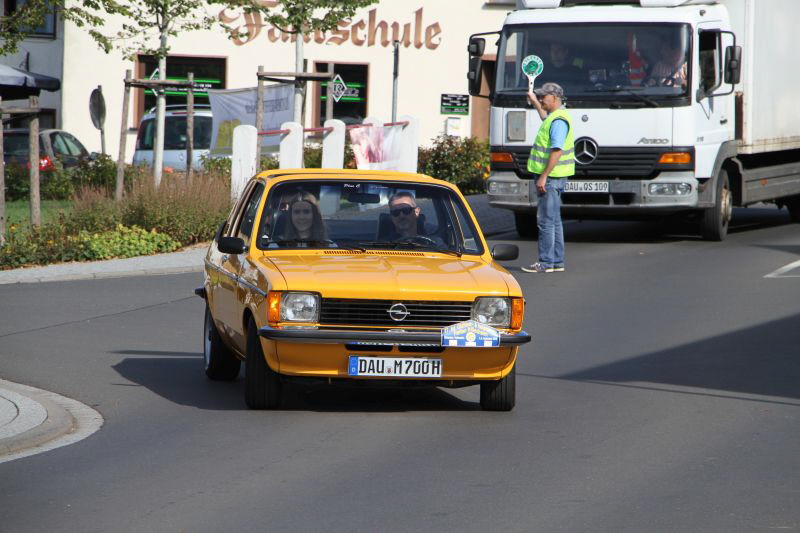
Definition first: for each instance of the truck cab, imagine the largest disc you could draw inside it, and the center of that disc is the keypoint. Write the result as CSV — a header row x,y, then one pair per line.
x,y
650,88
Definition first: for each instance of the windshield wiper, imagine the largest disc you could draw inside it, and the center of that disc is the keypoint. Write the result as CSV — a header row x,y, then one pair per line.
x,y
296,242
625,90
412,244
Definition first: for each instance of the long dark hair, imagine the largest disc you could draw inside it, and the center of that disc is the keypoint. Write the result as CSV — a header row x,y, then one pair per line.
x,y
318,230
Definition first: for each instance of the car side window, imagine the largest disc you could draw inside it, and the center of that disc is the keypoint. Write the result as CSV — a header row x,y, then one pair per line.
x,y
73,145
248,217
59,146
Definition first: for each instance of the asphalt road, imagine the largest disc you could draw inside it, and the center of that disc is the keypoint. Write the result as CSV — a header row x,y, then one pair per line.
x,y
661,393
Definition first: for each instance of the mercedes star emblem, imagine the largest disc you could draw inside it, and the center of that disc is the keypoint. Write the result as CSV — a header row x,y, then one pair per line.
x,y
398,312
585,151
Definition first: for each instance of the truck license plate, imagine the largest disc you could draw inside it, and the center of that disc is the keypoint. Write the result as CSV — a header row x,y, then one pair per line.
x,y
394,367
586,186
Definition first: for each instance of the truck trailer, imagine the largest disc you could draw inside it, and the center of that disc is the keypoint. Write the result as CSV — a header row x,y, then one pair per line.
x,y
679,107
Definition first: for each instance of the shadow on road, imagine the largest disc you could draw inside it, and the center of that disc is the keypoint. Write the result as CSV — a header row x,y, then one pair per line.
x,y
179,378
763,360
655,231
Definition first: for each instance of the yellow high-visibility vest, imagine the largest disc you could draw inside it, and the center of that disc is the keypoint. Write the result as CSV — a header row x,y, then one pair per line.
x,y
540,153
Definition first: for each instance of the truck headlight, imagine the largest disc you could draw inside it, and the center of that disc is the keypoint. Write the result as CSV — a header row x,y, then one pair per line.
x,y
492,311
669,189
299,307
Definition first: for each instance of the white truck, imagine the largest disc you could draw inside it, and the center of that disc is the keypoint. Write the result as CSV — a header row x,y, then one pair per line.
x,y
678,106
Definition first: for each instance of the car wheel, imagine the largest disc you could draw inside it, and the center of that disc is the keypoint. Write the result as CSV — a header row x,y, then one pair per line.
x,y
793,205
220,363
262,385
715,220
499,395
526,225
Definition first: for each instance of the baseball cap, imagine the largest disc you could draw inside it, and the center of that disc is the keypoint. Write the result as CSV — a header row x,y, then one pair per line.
x,y
550,88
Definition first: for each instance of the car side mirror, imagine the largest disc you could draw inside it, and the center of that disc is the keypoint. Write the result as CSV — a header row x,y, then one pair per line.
x,y
231,245
733,64
505,252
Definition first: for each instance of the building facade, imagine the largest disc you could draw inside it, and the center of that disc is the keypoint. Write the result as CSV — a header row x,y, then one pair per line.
x,y
432,84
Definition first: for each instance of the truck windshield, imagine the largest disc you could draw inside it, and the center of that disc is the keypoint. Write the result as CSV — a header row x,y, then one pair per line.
x,y
615,62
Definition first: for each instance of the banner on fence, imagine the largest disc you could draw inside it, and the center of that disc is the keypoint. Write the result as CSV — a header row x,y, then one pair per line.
x,y
377,147
237,107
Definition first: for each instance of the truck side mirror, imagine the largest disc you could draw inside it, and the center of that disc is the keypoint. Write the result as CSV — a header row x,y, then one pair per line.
x,y
474,75
476,46
733,64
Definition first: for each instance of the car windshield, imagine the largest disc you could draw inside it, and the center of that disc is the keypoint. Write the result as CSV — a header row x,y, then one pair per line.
x,y
175,133
367,215
639,64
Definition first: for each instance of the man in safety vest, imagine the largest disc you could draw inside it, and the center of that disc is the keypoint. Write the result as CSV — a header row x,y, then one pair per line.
x,y
552,160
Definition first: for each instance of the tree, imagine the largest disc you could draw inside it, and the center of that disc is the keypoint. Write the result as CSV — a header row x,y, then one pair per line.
x,y
148,21
300,17
33,14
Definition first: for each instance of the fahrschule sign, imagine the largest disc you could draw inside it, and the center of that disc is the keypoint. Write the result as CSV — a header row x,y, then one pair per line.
x,y
366,31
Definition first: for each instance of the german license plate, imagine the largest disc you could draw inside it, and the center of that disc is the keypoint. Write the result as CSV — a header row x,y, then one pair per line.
x,y
586,186
394,367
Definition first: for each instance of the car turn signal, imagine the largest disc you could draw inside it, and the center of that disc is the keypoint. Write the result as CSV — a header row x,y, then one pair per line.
x,y
675,158
274,309
517,312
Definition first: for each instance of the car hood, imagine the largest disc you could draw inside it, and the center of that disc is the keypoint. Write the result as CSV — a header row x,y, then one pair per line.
x,y
407,276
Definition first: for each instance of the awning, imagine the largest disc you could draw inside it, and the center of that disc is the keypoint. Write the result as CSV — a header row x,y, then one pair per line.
x,y
17,83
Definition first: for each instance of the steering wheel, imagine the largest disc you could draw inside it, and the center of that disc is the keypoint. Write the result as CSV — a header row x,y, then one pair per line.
x,y
422,239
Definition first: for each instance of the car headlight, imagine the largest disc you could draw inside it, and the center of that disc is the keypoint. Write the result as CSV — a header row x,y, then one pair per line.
x,y
492,311
299,307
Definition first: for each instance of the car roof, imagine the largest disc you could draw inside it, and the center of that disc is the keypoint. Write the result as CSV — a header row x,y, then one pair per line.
x,y
347,173
173,110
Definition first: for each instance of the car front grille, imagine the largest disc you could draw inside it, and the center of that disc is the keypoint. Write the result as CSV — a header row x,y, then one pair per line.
x,y
352,312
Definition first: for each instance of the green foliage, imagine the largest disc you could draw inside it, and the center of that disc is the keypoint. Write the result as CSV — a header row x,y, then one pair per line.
x,y
463,162
123,241
303,16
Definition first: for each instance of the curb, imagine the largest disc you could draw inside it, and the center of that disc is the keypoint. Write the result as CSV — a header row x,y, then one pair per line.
x,y
38,421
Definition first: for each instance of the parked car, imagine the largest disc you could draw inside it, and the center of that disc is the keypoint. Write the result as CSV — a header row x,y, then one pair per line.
x,y
174,137
359,276
54,145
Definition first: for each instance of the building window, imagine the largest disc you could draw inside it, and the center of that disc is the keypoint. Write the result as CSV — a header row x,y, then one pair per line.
x,y
349,91
46,29
47,120
209,73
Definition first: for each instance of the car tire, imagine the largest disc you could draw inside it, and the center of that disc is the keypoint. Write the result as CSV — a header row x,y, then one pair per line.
x,y
220,363
714,220
793,205
526,225
262,385
499,395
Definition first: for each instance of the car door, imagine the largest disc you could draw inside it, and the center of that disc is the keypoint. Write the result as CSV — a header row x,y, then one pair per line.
x,y
231,293
74,146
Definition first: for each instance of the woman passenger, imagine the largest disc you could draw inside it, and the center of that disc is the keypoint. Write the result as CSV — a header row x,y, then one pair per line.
x,y
305,219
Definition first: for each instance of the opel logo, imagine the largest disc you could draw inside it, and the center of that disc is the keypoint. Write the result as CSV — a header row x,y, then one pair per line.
x,y
585,151
398,312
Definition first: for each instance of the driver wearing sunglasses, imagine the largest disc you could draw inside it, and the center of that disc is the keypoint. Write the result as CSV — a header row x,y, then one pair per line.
x,y
405,213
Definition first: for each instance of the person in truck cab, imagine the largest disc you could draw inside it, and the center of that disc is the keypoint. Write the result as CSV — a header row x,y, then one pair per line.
x,y
552,161
670,69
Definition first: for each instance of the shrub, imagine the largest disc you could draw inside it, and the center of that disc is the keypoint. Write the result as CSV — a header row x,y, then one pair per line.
x,y
463,162
122,242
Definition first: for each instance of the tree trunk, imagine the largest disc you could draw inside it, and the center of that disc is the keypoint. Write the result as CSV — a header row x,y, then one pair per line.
x,y
161,104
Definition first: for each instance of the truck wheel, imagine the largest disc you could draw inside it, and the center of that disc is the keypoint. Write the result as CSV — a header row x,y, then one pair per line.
x,y
262,385
499,395
526,225
714,221
793,205
221,364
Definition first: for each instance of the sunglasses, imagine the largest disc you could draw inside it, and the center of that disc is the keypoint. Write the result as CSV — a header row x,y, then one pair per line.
x,y
404,210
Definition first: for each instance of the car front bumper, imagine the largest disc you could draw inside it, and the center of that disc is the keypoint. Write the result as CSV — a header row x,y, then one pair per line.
x,y
394,338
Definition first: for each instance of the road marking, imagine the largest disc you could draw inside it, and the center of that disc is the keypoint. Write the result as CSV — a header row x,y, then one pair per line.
x,y
781,272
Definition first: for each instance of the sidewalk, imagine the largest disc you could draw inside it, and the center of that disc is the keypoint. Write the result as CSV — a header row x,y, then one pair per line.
x,y
492,221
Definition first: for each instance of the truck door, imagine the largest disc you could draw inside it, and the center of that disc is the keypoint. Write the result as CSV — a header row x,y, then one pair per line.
x,y
714,125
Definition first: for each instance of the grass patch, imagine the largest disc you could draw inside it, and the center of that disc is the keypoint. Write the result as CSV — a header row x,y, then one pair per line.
x,y
18,212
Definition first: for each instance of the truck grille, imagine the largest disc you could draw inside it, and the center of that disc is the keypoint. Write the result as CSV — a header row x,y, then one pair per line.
x,y
611,162
352,312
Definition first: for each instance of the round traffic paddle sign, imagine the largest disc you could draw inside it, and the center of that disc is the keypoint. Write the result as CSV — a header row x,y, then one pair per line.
x,y
532,66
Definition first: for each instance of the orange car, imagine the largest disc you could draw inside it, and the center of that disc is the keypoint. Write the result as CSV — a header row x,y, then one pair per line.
x,y
350,275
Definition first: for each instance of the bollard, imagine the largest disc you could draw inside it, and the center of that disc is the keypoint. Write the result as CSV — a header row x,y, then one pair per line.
x,y
243,159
